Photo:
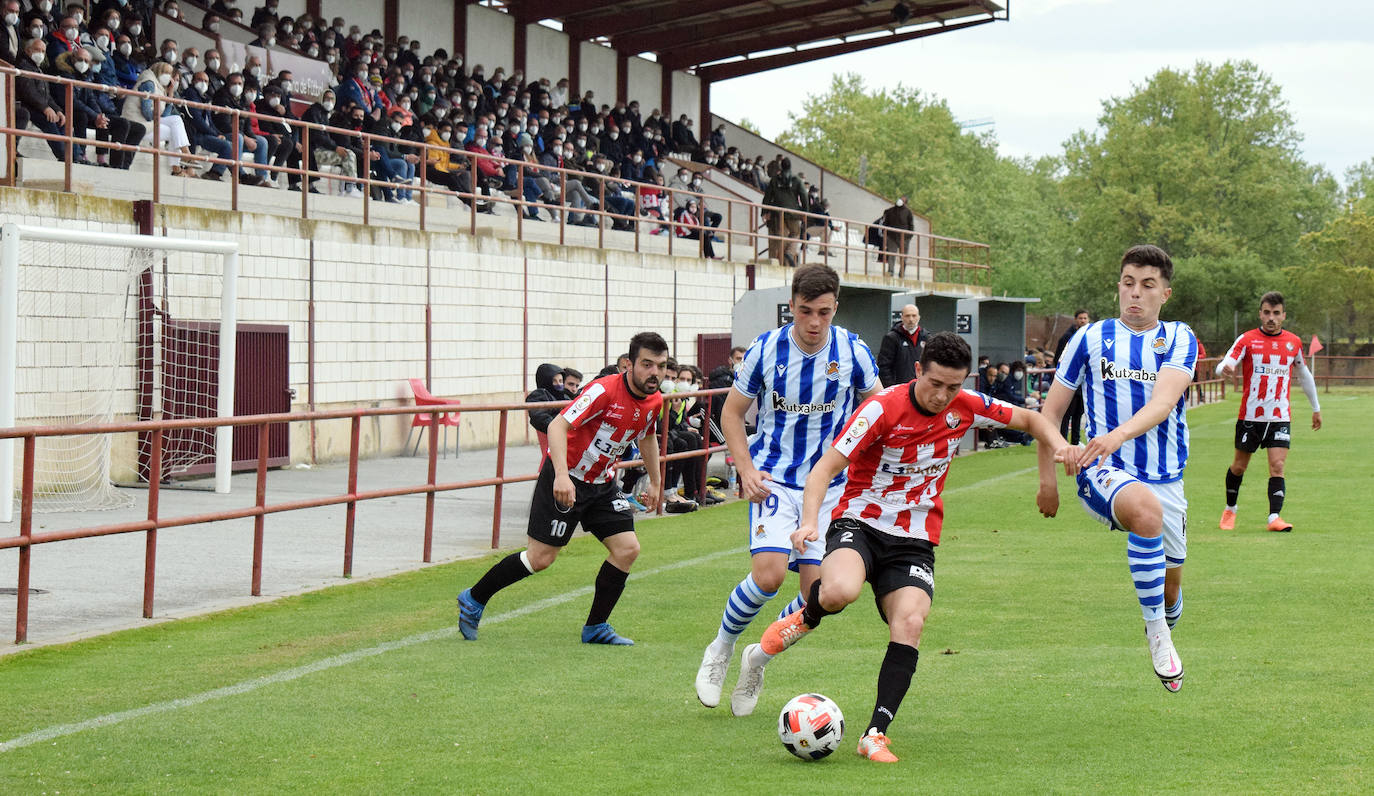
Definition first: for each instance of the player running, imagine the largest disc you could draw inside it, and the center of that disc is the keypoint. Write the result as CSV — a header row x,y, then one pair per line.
x,y
1267,357
805,378
576,485
884,530
1135,371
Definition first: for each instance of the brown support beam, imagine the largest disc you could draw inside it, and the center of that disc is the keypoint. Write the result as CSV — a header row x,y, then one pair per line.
x,y
754,66
312,7
622,77
521,39
574,68
460,32
704,112
619,24
665,102
391,13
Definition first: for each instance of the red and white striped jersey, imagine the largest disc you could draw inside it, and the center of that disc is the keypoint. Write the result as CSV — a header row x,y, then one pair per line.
x,y
606,419
1266,365
899,455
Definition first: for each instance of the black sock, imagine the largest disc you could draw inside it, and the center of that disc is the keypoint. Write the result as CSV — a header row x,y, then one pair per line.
x,y
505,572
812,612
894,678
1232,486
610,583
1275,495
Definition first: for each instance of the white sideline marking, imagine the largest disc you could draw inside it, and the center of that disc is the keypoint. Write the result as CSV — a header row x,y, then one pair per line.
x,y
333,662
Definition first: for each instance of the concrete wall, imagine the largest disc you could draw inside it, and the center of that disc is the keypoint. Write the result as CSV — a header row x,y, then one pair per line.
x,y
546,54
598,73
644,83
285,8
430,21
686,97
491,40
366,14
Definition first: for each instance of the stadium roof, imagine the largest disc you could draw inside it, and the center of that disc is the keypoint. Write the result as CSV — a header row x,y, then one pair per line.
x,y
723,39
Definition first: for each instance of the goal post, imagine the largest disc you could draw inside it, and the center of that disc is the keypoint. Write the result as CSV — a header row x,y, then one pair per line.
x,y
12,260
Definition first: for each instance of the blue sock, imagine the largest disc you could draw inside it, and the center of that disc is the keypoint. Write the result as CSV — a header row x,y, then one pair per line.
x,y
1173,612
798,603
1146,557
744,604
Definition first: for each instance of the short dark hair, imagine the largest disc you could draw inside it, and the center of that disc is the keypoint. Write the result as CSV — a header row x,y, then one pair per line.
x,y
947,349
815,280
576,374
1149,256
1273,298
1084,311
651,341
738,348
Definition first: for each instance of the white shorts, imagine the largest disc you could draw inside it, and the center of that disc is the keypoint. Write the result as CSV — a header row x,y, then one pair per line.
x,y
1098,487
772,523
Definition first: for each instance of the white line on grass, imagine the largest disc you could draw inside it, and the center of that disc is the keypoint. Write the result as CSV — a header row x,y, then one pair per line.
x,y
333,662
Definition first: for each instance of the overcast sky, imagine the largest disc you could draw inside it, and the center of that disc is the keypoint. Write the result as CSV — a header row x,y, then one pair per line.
x,y
1044,74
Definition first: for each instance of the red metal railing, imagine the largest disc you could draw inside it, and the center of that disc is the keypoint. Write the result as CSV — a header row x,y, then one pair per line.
x,y
944,259
27,538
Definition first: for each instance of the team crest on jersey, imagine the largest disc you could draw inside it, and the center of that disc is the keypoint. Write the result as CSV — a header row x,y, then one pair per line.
x,y
1159,345
1289,345
952,419
857,430
758,532
581,403
832,371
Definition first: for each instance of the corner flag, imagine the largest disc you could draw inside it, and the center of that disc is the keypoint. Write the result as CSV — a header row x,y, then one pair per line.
x,y
1315,347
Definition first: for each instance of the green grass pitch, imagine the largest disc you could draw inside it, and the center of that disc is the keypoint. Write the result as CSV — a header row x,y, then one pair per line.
x,y
1034,676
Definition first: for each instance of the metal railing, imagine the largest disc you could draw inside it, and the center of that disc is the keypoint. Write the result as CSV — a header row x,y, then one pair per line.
x,y
28,538
937,258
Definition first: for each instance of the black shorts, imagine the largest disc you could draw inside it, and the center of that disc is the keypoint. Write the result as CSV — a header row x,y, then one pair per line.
x,y
890,562
1251,435
599,508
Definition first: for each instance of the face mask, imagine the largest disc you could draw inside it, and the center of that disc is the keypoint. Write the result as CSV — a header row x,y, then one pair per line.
x,y
405,104
696,182
164,79
472,105
71,33
415,47
35,33
615,134
235,89
275,102
45,6
37,58
103,42
135,29
329,59
414,95
625,130
581,143
307,24
638,159
191,61
201,86
440,113
170,56
481,142
251,97
287,28
11,19
361,74
527,149
255,71
601,167
82,66
125,48
901,202
286,86
212,64
426,131
445,135
328,105
355,36
396,127
567,153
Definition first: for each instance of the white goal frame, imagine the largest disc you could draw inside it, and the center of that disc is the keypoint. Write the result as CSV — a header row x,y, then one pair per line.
x,y
10,236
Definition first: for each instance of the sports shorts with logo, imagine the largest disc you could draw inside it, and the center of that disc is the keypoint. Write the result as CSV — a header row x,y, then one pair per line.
x,y
772,522
600,509
890,562
1251,435
1099,486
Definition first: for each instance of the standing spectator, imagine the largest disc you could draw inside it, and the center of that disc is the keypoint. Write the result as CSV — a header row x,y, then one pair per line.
x,y
1073,416
901,348
897,217
169,129
784,193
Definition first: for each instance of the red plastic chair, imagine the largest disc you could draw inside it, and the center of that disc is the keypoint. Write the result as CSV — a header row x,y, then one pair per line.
x,y
421,421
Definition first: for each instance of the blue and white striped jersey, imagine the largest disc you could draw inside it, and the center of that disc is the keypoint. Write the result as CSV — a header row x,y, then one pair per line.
x,y
803,399
1117,368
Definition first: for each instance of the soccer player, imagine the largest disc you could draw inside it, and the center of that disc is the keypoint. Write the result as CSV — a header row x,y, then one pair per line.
x,y
577,485
1267,357
804,378
1135,371
884,530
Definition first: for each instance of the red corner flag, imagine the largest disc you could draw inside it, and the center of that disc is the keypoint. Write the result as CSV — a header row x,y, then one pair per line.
x,y
1315,347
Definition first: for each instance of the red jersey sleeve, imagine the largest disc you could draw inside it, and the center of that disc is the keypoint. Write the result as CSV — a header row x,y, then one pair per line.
x,y
988,412
587,407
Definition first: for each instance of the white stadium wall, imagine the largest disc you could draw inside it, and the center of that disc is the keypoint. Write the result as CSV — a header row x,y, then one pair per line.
x,y
546,54
491,40
430,21
644,83
598,73
366,14
687,98
285,8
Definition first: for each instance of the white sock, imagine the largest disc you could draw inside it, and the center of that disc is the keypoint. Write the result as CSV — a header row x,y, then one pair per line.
x,y
1154,626
1273,517
1231,509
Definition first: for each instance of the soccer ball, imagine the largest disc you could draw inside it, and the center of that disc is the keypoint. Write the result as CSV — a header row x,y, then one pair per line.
x,y
811,726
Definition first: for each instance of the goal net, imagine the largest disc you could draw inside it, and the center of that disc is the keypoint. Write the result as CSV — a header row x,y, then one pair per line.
x,y
102,328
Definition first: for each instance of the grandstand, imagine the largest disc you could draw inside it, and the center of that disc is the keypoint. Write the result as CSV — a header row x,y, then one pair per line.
x,y
381,277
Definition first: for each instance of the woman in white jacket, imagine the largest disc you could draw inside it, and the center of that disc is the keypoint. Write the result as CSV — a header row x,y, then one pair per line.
x,y
159,79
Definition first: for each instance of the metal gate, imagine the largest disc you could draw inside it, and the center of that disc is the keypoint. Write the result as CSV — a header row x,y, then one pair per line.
x,y
712,350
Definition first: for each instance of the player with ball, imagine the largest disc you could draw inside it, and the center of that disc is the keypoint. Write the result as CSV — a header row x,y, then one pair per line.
x,y
898,447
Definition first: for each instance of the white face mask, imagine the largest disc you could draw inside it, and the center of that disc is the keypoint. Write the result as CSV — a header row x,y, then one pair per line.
x,y
71,33
445,135
170,56
901,202
113,24
82,66
214,27
135,29
37,58
235,89
329,59
11,19
440,113
250,97
255,71
527,149
126,48
202,86
103,42
286,86
212,64
396,127
164,79
173,13
361,74
328,105
287,28
191,61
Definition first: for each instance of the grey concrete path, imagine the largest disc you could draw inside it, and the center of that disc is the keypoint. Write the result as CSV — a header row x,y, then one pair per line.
x,y
94,586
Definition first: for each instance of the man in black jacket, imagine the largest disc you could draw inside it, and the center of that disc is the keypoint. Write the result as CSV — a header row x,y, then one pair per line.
x,y
37,97
548,386
895,242
901,348
1073,416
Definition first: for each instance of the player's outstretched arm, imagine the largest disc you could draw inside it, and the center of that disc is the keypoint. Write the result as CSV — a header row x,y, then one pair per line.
x,y
1169,388
648,448
1052,448
563,491
1052,412
817,484
753,483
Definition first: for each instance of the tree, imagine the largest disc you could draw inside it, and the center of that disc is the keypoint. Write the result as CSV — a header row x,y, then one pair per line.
x,y
1204,164
1335,286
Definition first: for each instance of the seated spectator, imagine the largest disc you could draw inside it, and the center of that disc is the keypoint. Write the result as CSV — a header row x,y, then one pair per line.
x,y
396,162
205,128
94,108
63,39
683,138
356,120
278,137
614,192
170,129
574,192
127,66
172,9
12,33
213,64
187,68
632,168
324,149
653,200
718,137
356,89
39,99
441,168
690,226
525,153
681,439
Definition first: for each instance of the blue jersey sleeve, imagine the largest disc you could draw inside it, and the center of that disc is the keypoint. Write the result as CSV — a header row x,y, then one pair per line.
x,y
1183,353
749,380
1074,360
865,372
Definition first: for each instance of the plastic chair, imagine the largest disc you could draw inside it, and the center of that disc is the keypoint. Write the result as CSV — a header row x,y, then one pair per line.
x,y
421,421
